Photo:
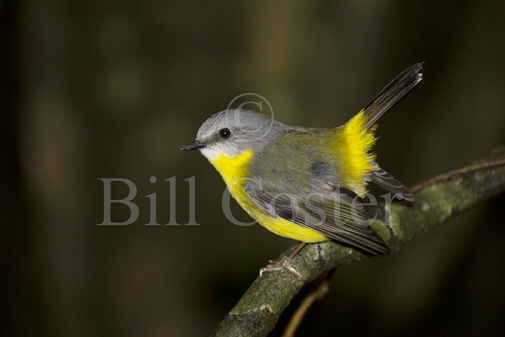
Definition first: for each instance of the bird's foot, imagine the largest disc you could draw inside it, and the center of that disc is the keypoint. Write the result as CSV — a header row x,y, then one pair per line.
x,y
275,266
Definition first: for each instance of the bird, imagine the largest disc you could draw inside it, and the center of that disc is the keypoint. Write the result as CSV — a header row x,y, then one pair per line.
x,y
305,183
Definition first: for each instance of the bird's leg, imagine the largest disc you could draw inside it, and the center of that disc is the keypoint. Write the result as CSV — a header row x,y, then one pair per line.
x,y
286,264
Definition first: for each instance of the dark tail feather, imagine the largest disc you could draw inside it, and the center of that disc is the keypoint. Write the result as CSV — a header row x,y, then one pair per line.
x,y
385,180
392,93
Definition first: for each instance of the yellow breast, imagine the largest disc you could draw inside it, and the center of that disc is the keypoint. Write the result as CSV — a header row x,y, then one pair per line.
x,y
235,174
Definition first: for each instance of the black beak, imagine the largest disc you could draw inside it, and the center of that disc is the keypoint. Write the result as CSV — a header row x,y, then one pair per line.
x,y
193,146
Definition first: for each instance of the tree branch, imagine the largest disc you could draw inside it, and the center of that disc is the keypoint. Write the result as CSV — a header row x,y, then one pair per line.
x,y
436,201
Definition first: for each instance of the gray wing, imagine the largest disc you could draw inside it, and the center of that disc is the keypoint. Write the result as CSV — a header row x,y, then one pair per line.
x,y
329,209
385,180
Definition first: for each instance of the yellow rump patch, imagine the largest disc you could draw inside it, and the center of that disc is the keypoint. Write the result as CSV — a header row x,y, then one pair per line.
x,y
354,160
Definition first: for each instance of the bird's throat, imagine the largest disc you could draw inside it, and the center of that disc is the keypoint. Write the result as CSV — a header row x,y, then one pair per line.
x,y
233,169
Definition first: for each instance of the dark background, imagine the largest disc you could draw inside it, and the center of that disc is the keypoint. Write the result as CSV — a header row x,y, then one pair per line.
x,y
113,89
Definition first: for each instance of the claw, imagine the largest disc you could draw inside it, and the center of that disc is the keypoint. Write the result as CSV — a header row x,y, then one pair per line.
x,y
286,264
275,266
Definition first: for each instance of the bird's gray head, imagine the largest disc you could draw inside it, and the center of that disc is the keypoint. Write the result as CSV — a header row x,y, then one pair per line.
x,y
233,131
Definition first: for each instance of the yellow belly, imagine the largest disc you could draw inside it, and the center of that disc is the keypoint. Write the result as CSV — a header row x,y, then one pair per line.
x,y
233,171
290,230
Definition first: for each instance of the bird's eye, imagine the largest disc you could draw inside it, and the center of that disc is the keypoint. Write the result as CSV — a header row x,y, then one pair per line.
x,y
224,133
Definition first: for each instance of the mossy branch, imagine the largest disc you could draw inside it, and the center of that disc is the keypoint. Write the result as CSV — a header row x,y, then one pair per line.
x,y
436,201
